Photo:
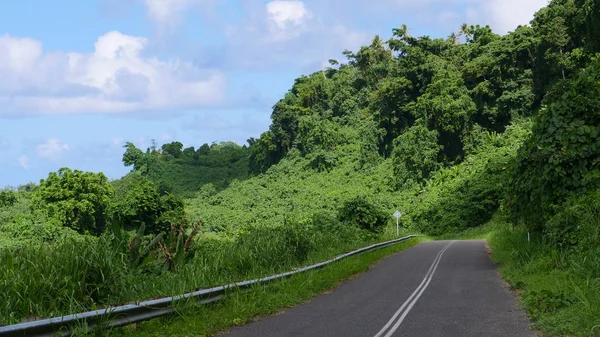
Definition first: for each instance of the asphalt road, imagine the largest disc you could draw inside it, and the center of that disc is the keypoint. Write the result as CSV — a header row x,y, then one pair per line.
x,y
440,288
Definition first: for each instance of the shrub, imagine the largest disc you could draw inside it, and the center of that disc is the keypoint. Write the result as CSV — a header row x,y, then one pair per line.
x,y
138,201
578,222
7,198
77,199
468,194
361,212
564,147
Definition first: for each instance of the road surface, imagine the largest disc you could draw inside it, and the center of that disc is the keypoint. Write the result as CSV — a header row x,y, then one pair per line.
x,y
438,288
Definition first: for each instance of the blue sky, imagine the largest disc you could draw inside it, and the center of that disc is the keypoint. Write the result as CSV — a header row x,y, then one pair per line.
x,y
80,78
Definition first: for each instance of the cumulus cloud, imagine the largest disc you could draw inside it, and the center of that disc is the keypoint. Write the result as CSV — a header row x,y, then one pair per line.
x,y
52,148
289,32
506,15
502,15
286,18
24,162
168,14
116,77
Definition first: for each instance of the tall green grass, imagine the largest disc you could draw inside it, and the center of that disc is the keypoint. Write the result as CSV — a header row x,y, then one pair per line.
x,y
560,287
82,273
243,307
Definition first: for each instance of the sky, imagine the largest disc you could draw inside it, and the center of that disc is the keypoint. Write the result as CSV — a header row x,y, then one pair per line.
x,y
78,78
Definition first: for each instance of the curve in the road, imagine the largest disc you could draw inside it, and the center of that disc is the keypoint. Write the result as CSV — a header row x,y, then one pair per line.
x,y
414,297
439,288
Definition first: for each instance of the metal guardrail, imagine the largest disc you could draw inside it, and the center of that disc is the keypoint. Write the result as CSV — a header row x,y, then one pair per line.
x,y
133,313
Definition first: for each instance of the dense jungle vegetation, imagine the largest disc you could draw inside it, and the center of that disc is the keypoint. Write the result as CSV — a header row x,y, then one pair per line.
x,y
471,130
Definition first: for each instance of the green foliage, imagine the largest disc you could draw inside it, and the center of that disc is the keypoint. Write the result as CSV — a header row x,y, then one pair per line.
x,y
76,199
558,286
266,247
138,250
447,107
575,225
563,149
136,202
416,154
173,149
547,301
468,194
133,156
363,213
69,275
184,172
7,198
177,247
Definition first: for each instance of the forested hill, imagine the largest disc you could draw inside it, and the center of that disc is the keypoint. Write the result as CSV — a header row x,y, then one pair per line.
x,y
442,89
185,171
426,119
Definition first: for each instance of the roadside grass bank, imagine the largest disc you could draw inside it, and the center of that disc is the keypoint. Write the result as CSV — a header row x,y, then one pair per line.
x,y
73,276
242,308
559,288
475,233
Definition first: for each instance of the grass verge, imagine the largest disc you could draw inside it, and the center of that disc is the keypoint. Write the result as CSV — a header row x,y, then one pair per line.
x,y
474,233
241,308
560,289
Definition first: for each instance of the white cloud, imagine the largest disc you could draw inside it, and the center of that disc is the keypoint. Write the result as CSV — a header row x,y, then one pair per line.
x,y
289,32
24,162
502,15
116,77
168,14
286,18
116,141
51,149
506,15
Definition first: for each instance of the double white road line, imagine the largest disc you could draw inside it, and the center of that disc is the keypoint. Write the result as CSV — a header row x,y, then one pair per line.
x,y
394,322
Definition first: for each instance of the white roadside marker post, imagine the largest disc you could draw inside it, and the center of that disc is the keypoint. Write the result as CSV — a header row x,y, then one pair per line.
x,y
397,215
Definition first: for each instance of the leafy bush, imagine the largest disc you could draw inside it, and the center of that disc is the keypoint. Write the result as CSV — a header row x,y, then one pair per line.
x,y
416,154
577,222
564,147
363,213
468,194
78,200
138,201
7,198
328,229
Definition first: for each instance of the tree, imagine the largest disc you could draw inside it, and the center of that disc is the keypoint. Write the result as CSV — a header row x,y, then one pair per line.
x,y
132,156
7,198
363,213
77,199
464,30
562,154
454,39
138,201
392,109
447,107
173,149
416,154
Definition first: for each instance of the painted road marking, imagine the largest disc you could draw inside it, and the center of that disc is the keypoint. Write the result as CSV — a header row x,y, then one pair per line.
x,y
414,297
